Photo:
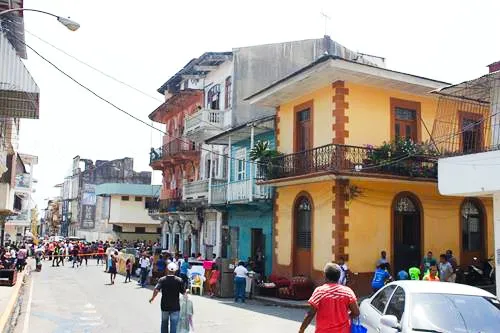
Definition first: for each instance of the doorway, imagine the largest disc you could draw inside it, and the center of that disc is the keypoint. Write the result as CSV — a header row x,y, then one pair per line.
x,y
257,249
471,231
302,219
407,232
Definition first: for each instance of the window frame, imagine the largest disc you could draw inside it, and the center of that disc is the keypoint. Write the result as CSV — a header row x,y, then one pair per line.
x,y
240,160
308,105
474,117
405,104
125,198
296,222
388,298
228,92
138,199
213,95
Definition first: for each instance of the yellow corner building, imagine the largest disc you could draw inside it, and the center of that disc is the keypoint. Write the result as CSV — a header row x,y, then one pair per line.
x,y
358,173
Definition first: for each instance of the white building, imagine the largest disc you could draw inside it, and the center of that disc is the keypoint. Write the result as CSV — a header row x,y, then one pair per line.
x,y
468,127
122,212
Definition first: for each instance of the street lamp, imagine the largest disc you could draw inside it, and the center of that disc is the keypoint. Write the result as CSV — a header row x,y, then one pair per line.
x,y
67,22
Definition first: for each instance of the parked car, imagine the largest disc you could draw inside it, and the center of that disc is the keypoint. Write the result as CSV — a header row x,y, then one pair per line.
x,y
435,307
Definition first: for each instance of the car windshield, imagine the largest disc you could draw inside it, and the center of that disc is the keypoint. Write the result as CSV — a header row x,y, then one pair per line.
x,y
455,313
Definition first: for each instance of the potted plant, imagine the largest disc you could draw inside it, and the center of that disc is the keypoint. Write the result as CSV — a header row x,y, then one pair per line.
x,y
266,159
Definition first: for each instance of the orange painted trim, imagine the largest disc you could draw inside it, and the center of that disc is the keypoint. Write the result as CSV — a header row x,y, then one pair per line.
x,y
396,102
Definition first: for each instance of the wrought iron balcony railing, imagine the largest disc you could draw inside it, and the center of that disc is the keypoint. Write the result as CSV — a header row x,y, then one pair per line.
x,y
173,148
350,159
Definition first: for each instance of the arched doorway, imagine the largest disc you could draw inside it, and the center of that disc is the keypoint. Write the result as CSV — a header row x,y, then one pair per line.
x,y
302,220
471,231
407,231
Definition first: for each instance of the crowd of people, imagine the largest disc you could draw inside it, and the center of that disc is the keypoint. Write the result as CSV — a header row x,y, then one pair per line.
x,y
14,257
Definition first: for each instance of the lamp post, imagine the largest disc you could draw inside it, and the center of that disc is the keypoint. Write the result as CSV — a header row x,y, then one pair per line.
x,y
67,22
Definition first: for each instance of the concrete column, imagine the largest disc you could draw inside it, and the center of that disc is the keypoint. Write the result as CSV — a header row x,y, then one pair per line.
x,y
496,230
252,178
210,174
229,156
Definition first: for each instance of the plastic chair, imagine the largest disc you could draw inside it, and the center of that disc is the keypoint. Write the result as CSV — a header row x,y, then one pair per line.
x,y
197,282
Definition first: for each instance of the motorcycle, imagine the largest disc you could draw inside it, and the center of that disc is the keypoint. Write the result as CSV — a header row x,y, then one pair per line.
x,y
480,272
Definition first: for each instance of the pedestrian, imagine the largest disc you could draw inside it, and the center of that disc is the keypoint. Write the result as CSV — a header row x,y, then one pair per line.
x,y
445,269
85,254
22,254
74,253
185,324
55,258
128,269
380,277
212,282
344,271
332,303
184,271
427,262
61,255
144,265
432,275
170,287
240,282
161,265
100,254
382,260
414,273
403,275
112,268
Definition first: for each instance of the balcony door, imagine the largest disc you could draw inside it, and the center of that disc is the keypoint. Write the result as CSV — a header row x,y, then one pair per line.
x,y
303,133
472,231
405,119
471,136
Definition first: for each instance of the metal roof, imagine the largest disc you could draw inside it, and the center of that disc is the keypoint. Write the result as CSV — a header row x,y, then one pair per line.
x,y
128,189
13,25
19,93
328,69
196,66
243,132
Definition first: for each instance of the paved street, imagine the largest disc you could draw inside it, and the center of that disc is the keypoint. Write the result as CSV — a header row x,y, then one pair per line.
x,y
63,299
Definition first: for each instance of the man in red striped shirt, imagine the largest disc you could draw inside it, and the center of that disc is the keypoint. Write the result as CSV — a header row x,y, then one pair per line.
x,y
333,304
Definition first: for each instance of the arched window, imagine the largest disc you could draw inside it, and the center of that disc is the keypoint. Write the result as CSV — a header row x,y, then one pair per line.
x,y
303,209
471,226
213,97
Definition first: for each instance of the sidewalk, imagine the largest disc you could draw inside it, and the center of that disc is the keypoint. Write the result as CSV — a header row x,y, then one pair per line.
x,y
287,303
8,299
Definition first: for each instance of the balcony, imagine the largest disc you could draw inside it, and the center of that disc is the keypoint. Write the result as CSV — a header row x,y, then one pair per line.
x,y
206,123
352,160
171,201
196,190
176,151
239,192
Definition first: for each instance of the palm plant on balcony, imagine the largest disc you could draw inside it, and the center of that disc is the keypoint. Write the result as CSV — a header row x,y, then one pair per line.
x,y
262,153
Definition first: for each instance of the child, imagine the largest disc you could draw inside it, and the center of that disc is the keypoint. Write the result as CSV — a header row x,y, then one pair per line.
x,y
128,268
185,314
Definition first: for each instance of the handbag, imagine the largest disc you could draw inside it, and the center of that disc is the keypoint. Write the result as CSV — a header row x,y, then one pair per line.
x,y
356,327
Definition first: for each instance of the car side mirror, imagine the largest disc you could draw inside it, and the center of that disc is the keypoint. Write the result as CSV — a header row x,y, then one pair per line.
x,y
390,321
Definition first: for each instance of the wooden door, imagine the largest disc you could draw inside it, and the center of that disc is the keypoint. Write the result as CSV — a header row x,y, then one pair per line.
x,y
303,140
472,232
405,123
407,234
302,260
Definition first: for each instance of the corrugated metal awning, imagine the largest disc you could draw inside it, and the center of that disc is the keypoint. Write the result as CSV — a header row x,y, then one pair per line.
x,y
19,93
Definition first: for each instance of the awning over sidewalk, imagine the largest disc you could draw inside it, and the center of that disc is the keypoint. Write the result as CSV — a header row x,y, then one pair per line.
x,y
19,93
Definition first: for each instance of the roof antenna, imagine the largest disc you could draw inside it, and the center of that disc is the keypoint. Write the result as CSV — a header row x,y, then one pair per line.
x,y
326,18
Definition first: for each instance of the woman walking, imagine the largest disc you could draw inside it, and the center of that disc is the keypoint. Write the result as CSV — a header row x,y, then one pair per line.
x,y
128,268
112,268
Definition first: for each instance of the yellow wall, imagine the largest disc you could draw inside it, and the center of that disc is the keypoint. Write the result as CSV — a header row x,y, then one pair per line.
x,y
322,197
370,113
369,116
322,118
129,211
370,221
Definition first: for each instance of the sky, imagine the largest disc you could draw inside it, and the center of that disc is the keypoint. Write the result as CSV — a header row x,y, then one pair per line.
x,y
452,41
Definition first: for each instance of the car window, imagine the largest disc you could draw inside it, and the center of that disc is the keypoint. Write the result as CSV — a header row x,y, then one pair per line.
x,y
396,305
380,301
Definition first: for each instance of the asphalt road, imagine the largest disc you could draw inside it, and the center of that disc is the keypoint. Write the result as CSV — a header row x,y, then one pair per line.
x,y
63,299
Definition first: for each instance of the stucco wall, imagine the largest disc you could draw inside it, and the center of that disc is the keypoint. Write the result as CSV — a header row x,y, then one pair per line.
x,y
322,197
129,211
370,221
369,108
249,217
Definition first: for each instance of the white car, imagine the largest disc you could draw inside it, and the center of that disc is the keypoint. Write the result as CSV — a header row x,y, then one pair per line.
x,y
433,307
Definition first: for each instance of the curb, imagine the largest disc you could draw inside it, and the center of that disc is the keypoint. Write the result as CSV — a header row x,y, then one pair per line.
x,y
280,302
7,312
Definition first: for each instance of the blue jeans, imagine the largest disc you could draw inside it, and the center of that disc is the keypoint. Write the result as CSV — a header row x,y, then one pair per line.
x,y
144,276
174,319
240,284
